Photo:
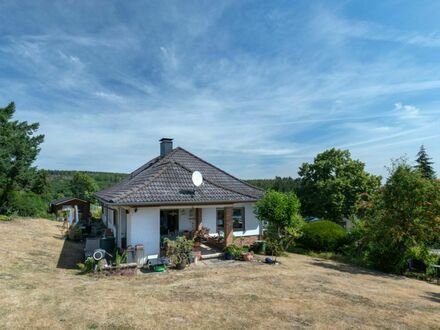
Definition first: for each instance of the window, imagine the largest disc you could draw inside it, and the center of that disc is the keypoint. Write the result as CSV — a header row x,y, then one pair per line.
x,y
237,219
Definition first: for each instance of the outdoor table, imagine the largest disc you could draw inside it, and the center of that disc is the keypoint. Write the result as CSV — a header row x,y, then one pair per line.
x,y
437,267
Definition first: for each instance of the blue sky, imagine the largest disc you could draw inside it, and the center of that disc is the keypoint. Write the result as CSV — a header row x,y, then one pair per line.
x,y
256,87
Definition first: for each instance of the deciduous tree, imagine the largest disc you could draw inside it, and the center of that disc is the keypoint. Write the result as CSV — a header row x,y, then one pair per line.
x,y
405,217
281,212
332,184
83,186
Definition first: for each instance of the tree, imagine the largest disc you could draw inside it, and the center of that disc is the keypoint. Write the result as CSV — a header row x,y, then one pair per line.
x,y
285,184
40,182
281,211
83,186
332,184
405,218
424,164
19,147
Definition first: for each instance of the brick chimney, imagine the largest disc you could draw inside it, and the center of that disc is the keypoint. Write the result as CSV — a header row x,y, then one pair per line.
x,y
166,145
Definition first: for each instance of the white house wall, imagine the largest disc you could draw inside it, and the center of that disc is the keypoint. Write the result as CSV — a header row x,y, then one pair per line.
x,y
143,227
209,219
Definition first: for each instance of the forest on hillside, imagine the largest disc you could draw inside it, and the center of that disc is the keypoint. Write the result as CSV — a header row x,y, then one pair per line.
x,y
59,180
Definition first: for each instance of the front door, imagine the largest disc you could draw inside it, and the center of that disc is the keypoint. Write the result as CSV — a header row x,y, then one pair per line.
x,y
169,222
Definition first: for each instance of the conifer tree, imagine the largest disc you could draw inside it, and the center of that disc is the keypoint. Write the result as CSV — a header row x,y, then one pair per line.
x,y
424,164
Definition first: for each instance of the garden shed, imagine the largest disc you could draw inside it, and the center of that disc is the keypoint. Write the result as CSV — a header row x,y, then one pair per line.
x,y
76,208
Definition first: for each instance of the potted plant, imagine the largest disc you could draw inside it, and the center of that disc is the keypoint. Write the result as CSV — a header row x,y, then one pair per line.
x,y
179,251
232,252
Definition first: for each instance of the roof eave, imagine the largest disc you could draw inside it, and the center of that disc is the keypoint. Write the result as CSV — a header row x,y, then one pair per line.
x,y
151,204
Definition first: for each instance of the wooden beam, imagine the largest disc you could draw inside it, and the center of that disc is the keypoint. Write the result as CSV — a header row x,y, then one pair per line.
x,y
228,225
199,223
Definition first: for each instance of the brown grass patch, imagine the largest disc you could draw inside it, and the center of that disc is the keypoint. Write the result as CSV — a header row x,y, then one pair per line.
x,y
39,291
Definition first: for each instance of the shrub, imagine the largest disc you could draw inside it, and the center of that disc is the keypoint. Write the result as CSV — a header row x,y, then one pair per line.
x,y
281,212
88,266
179,250
323,236
403,220
421,253
27,204
5,218
120,258
233,250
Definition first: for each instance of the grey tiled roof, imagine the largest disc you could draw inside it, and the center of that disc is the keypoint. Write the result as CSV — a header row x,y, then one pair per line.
x,y
167,180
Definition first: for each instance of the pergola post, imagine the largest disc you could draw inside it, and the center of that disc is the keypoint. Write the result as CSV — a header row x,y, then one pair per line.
x,y
228,225
199,223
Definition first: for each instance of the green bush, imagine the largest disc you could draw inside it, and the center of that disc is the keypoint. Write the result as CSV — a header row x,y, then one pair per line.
x,y
27,204
323,236
233,250
423,254
5,218
88,266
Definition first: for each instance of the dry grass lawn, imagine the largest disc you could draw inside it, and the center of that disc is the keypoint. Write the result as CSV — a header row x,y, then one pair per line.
x,y
38,291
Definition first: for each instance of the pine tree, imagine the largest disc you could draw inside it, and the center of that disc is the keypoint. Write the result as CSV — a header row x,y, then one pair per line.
x,y
19,147
424,164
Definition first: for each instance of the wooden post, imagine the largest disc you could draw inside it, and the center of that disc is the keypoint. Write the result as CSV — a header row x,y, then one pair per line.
x,y
228,225
199,223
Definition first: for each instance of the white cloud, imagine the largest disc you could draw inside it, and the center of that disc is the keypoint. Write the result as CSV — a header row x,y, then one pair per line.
x,y
257,107
406,111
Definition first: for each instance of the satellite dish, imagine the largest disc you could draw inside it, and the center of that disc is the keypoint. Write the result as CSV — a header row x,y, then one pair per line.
x,y
197,178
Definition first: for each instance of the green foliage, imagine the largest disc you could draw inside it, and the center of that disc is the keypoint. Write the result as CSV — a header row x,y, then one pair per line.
x,y
83,186
88,266
120,258
60,181
275,246
5,218
233,250
332,184
280,184
422,253
407,215
19,147
281,211
323,236
40,182
26,204
424,164
96,211
179,249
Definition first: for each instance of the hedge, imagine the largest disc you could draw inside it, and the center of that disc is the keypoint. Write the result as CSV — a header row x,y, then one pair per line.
x,y
323,235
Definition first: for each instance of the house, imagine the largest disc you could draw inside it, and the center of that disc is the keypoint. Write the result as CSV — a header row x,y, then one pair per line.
x,y
76,209
160,199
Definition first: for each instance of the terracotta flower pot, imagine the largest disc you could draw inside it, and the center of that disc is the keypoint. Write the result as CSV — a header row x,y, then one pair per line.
x,y
248,256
